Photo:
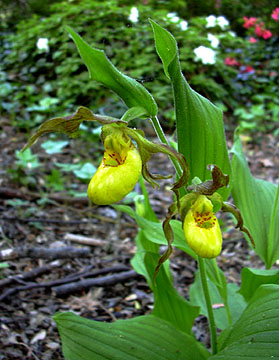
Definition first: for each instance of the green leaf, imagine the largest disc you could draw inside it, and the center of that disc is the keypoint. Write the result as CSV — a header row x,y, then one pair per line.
x,y
258,202
102,70
166,46
69,125
3,265
133,113
169,305
199,123
217,277
55,180
67,167
86,171
27,159
251,279
236,302
142,338
54,147
255,335
154,231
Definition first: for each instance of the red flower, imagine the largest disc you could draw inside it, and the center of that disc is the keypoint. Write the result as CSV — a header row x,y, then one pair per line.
x,y
275,14
231,62
252,39
249,22
266,34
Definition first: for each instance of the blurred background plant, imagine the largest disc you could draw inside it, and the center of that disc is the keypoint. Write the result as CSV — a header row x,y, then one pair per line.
x,y
235,66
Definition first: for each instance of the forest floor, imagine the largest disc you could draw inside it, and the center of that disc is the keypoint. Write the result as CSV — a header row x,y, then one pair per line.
x,y
51,240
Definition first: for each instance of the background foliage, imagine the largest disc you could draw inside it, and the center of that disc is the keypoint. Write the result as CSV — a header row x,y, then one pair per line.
x,y
40,83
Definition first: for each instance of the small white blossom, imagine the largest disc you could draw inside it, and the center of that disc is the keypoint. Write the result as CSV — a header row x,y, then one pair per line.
x,y
134,15
232,33
213,40
211,21
42,44
173,17
183,25
222,22
205,54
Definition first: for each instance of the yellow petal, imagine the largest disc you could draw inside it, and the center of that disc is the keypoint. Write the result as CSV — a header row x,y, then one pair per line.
x,y
202,230
112,182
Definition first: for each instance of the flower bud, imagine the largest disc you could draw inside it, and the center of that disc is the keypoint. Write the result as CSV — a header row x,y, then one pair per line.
x,y
116,176
202,230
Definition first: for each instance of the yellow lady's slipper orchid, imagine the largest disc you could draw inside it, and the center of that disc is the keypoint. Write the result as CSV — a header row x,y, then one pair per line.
x,y
116,176
202,230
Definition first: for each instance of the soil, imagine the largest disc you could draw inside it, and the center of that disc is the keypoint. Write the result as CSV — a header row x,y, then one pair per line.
x,y
41,219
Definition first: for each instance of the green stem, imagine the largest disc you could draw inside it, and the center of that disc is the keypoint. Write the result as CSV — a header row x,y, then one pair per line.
x,y
160,133
220,289
206,294
271,229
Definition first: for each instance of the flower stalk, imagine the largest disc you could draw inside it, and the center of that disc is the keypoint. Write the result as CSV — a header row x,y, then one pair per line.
x,y
211,320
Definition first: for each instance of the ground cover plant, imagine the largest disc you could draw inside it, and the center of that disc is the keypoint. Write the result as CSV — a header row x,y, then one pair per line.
x,y
205,177
50,77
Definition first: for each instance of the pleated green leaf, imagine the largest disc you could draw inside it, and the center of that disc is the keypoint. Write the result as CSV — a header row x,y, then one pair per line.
x,y
255,336
154,231
251,279
258,202
169,305
236,302
102,70
200,130
141,338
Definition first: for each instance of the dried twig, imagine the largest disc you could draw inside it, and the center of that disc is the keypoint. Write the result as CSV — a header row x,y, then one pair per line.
x,y
27,275
71,284
67,252
10,193
85,240
86,284
44,220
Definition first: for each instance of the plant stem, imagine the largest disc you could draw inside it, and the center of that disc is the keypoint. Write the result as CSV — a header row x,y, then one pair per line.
x,y
160,133
271,229
221,291
206,294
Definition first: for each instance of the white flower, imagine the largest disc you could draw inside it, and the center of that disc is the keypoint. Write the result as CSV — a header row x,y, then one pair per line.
x,y
222,22
183,25
205,54
134,15
42,44
173,17
211,21
213,40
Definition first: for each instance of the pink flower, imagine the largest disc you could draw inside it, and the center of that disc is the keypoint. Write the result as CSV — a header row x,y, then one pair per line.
x,y
266,34
252,39
249,22
275,14
231,62
258,30
273,73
